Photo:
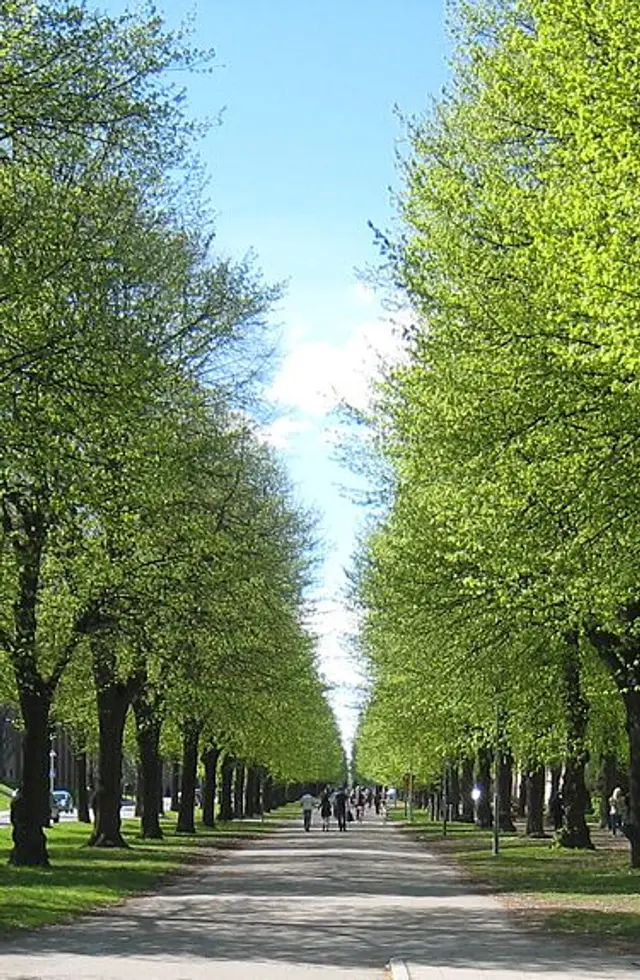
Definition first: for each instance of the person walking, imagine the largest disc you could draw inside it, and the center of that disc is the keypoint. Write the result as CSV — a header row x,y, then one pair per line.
x,y
359,804
340,807
325,809
378,798
307,802
616,810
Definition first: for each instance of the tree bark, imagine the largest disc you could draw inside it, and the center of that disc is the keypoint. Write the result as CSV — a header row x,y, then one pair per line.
x,y
522,795
175,786
83,795
267,792
631,823
148,728
30,811
238,790
113,703
466,785
190,739
210,762
253,806
484,816
278,797
26,525
534,783
138,790
608,778
226,803
621,656
505,779
453,790
556,779
575,832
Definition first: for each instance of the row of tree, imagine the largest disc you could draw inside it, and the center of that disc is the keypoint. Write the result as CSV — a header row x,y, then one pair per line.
x,y
151,552
499,590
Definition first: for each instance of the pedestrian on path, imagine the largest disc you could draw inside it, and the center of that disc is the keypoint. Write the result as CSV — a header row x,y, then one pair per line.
x,y
617,809
325,809
307,802
340,807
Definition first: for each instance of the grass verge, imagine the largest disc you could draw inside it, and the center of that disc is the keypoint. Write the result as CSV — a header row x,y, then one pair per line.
x,y
84,878
591,894
5,796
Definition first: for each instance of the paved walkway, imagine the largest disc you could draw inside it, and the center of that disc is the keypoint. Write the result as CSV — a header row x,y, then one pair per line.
x,y
314,906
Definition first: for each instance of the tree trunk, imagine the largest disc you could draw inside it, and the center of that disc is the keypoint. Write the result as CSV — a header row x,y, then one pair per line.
x,y
138,790
267,792
556,778
83,795
631,820
148,728
186,816
253,805
484,817
453,790
30,810
238,791
257,802
522,795
113,704
210,761
149,749
608,778
226,804
175,786
160,800
534,783
505,780
575,832
278,795
466,785
250,791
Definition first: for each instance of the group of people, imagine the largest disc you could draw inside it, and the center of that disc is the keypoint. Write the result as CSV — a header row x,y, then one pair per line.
x,y
344,805
617,806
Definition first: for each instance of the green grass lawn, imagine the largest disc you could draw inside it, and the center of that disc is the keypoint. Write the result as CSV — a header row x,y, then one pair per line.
x,y
82,878
5,796
581,893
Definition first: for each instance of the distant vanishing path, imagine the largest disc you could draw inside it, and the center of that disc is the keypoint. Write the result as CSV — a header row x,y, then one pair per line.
x,y
314,906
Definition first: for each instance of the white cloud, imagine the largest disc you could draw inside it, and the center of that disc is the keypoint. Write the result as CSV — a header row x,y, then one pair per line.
x,y
363,295
335,625
315,376
279,432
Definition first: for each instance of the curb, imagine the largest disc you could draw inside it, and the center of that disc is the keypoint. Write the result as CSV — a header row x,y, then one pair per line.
x,y
399,970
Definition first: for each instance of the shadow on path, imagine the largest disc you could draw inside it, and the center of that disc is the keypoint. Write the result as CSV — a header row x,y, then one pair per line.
x,y
333,900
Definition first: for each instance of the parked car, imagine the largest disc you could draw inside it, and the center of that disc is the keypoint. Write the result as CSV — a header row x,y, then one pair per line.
x,y
64,800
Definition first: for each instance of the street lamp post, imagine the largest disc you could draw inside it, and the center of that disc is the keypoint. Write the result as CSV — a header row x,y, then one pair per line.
x,y
52,767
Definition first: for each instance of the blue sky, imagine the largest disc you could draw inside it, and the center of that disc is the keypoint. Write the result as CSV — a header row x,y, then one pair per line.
x,y
303,159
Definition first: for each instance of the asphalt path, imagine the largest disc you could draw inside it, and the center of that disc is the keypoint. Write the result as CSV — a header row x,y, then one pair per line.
x,y
316,906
